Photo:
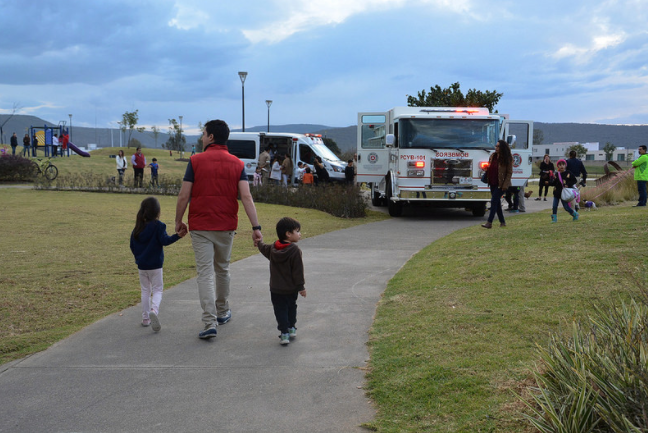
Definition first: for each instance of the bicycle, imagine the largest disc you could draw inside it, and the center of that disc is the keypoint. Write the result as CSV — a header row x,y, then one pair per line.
x,y
47,169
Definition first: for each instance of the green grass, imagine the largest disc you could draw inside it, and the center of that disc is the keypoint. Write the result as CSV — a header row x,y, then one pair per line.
x,y
66,261
455,332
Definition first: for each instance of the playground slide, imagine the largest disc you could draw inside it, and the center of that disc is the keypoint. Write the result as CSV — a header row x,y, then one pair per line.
x,y
79,151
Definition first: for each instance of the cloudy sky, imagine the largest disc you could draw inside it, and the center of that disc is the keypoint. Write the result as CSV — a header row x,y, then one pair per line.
x,y
319,61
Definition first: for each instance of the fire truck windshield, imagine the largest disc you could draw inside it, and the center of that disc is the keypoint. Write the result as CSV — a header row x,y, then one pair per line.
x,y
448,133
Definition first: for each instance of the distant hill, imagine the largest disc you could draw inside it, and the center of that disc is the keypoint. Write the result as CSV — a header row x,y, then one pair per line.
x,y
628,136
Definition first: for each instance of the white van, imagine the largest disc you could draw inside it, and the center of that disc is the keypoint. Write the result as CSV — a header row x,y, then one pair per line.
x,y
301,147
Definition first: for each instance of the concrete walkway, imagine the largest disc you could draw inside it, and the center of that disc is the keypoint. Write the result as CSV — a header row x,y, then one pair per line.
x,y
116,376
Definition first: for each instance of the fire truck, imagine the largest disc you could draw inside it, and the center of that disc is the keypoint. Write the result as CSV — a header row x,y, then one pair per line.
x,y
436,155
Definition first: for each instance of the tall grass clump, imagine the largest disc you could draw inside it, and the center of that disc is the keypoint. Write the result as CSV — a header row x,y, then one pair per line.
x,y
595,380
614,191
15,168
344,201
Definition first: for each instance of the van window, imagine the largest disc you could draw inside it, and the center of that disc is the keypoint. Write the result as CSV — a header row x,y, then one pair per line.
x,y
243,149
306,154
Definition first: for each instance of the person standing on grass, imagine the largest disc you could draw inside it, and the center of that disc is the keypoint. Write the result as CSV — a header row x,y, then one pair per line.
x,y
26,145
138,161
499,172
154,173
286,276
34,146
14,143
213,181
562,179
147,241
546,171
121,166
641,175
55,145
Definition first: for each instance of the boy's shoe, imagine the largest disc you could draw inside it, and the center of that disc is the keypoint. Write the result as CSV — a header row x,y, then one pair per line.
x,y
292,332
575,216
285,339
226,318
514,211
554,218
155,321
146,322
209,332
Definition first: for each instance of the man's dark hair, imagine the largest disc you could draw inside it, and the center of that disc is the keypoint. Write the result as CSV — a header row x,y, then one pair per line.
x,y
572,154
350,161
286,224
643,146
219,129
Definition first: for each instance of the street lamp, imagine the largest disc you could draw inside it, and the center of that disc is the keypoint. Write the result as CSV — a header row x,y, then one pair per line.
x,y
70,129
268,103
180,146
243,76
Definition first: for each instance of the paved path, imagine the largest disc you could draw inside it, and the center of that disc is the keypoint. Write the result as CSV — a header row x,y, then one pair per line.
x,y
116,376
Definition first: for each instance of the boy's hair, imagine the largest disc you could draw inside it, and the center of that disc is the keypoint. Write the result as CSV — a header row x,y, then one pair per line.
x,y
286,224
219,129
350,161
154,159
308,170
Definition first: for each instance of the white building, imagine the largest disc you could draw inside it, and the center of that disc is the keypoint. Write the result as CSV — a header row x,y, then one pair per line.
x,y
557,151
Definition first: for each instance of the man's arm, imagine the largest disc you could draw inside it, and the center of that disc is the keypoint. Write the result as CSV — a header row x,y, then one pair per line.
x,y
183,200
250,209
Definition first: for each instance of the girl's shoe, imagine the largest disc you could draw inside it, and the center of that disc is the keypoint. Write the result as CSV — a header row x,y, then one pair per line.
x,y
146,322
538,199
545,199
575,216
554,218
155,321
487,225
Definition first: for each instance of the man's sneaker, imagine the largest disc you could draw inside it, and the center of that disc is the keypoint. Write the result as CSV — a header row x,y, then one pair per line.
x,y
285,339
292,332
155,321
226,318
209,332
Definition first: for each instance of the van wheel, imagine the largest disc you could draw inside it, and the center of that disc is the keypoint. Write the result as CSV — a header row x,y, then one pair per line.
x,y
395,208
479,210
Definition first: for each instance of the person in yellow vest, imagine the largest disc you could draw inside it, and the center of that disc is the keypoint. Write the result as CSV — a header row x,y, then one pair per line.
x,y
641,175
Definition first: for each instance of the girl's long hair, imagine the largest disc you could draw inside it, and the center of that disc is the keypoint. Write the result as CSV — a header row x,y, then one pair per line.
x,y
149,211
504,158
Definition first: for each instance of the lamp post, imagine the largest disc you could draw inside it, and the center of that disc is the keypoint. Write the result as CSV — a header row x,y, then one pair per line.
x,y
70,131
243,76
180,146
268,103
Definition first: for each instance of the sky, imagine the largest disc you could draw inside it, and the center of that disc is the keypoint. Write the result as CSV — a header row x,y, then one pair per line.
x,y
320,62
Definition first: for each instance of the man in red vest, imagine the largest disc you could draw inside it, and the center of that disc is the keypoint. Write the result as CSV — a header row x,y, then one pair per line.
x,y
138,161
212,183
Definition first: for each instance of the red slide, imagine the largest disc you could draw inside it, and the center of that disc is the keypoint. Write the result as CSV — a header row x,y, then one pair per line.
x,y
79,151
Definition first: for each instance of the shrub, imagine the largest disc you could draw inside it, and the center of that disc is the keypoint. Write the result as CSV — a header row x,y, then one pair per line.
x,y
16,168
342,201
88,181
596,380
615,190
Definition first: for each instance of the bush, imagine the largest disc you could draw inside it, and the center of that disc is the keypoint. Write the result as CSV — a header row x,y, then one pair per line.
x,y
344,201
88,181
614,191
16,168
596,380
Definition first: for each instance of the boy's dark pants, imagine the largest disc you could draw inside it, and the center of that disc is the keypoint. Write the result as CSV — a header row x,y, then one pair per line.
x,y
285,309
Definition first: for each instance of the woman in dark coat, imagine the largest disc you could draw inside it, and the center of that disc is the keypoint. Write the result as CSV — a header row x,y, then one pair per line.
x,y
546,171
499,172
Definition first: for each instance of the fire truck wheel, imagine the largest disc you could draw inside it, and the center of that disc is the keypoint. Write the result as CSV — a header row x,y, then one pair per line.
x,y
395,208
479,210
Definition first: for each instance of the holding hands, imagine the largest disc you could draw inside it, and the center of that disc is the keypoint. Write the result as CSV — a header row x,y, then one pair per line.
x,y
181,229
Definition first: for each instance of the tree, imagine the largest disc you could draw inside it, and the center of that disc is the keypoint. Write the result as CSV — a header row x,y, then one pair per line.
x,y
199,143
453,97
13,111
129,121
156,133
581,150
538,136
609,149
332,145
176,140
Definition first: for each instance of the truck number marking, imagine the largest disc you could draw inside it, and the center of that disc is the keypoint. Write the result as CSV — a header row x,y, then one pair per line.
x,y
413,157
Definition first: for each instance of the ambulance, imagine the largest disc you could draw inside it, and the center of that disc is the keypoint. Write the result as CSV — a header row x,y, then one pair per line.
x,y
436,155
247,146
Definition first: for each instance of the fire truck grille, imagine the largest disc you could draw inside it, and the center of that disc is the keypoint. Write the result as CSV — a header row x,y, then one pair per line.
x,y
452,172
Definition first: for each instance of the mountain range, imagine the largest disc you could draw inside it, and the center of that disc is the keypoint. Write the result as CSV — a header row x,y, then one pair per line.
x,y
628,136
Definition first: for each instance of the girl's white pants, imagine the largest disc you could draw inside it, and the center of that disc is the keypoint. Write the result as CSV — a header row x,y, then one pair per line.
x,y
152,286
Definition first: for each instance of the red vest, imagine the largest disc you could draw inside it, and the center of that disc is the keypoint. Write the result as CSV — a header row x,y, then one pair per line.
x,y
140,161
214,194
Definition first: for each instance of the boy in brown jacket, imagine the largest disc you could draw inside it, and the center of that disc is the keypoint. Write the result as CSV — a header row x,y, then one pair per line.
x,y
286,276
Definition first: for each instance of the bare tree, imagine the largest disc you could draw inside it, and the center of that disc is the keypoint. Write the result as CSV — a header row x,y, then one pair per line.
x,y
15,108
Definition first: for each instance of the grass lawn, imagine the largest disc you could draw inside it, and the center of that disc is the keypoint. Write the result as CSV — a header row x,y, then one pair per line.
x,y
66,260
455,332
